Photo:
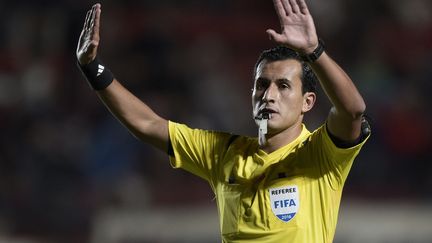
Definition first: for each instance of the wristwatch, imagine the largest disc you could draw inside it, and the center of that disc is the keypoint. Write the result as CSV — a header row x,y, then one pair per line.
x,y
312,57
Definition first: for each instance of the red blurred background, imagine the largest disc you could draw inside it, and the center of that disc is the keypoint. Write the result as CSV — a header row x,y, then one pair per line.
x,y
64,159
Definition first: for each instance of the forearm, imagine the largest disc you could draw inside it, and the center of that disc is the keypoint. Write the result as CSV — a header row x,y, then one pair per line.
x,y
139,119
339,87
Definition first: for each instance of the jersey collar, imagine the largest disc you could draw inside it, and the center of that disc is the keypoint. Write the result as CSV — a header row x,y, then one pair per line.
x,y
269,158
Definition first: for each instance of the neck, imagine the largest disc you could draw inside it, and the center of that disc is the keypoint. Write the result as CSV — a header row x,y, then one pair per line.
x,y
277,140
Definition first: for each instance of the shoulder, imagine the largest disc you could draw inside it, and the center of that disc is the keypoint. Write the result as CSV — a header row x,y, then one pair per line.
x,y
225,139
323,136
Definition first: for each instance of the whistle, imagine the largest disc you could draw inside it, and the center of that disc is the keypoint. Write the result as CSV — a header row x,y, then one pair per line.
x,y
262,123
263,126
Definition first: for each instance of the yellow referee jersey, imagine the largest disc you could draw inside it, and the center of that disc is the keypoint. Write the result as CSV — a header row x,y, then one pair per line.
x,y
290,195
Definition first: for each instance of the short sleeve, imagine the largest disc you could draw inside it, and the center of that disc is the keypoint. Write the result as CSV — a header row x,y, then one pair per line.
x,y
334,162
195,150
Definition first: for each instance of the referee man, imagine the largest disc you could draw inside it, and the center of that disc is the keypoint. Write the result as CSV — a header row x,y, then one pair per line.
x,y
285,185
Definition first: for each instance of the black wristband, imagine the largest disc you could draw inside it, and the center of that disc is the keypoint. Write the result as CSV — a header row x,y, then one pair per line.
x,y
312,57
98,76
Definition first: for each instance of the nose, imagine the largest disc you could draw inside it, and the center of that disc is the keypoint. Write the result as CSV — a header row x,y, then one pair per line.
x,y
271,93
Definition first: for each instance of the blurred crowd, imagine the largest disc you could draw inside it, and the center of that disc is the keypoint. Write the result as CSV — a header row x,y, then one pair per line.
x,y
63,156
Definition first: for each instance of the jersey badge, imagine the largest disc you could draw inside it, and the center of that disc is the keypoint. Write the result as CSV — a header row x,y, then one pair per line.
x,y
284,202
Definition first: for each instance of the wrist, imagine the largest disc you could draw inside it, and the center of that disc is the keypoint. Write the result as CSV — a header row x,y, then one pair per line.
x,y
98,76
311,55
84,61
310,50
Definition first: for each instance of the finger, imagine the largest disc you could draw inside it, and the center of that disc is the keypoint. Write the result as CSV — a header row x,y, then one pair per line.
x,y
97,18
86,20
84,30
96,23
273,35
280,10
303,7
93,16
294,6
97,14
287,7
88,23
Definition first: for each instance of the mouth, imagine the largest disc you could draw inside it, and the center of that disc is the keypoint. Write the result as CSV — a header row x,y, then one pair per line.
x,y
265,113
266,110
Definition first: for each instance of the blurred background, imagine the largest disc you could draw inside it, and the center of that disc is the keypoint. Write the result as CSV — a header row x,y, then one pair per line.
x,y
69,172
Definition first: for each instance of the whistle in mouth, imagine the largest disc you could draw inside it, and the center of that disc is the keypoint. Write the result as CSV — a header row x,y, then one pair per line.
x,y
263,126
262,116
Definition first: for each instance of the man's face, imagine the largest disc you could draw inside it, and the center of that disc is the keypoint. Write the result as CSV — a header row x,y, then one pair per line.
x,y
278,91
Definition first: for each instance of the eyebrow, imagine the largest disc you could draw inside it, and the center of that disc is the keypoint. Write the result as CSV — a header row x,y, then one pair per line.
x,y
285,80
261,79
266,80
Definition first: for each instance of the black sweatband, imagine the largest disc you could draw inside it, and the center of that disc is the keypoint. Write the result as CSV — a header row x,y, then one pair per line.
x,y
98,76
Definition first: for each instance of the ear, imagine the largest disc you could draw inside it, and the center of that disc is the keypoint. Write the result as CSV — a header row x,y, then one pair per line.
x,y
308,101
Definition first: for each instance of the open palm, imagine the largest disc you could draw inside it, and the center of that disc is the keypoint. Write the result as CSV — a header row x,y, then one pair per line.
x,y
89,38
297,26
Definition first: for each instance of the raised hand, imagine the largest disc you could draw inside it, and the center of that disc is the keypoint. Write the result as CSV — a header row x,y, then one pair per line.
x,y
89,38
297,26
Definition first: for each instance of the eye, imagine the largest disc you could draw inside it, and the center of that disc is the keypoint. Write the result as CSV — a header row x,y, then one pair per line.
x,y
261,84
284,85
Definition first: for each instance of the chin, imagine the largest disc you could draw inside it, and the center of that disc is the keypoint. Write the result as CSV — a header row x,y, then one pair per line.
x,y
273,129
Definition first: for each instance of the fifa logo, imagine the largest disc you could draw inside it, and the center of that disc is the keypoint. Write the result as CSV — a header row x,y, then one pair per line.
x,y
284,202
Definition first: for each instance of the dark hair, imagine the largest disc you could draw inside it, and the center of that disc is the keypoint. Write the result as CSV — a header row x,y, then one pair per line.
x,y
309,80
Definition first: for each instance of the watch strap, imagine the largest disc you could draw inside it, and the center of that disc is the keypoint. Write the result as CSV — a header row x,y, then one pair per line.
x,y
312,57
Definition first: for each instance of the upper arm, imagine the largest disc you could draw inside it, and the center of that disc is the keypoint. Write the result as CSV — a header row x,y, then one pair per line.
x,y
333,157
344,127
155,133
345,117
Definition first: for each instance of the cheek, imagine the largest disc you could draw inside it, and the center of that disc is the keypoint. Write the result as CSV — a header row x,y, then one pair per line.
x,y
293,104
255,101
255,106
